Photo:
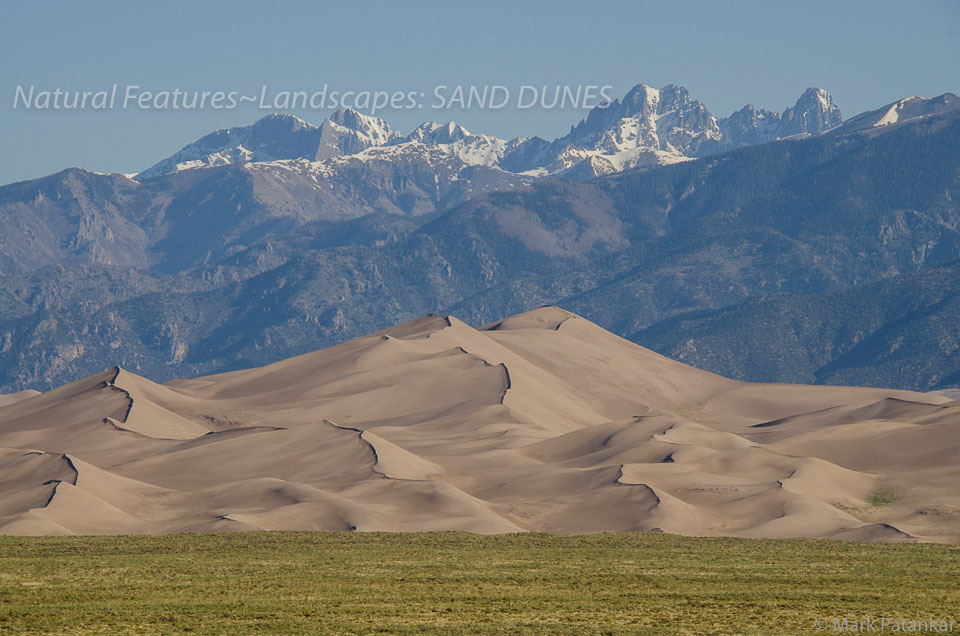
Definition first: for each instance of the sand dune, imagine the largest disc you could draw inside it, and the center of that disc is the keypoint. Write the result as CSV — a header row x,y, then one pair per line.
x,y
16,397
541,422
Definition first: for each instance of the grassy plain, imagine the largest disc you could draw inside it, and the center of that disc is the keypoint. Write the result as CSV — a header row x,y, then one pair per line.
x,y
302,582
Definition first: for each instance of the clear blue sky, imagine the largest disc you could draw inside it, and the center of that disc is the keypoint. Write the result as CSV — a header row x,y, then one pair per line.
x,y
866,53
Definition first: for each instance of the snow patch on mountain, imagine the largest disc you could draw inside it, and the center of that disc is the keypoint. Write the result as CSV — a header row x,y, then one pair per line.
x,y
902,111
891,116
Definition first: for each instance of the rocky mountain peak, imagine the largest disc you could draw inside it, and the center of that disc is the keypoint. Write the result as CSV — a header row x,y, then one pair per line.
x,y
437,133
813,113
281,122
347,132
673,97
641,100
374,128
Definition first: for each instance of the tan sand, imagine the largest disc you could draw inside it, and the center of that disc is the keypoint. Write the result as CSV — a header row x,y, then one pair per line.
x,y
539,422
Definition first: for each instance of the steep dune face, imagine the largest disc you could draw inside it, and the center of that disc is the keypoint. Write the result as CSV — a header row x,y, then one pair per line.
x,y
541,422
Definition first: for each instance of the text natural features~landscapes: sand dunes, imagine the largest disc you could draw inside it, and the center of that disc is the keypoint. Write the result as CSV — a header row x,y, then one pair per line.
x,y
539,422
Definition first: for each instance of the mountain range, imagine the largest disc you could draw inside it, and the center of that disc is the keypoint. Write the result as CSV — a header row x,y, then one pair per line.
x,y
827,243
648,127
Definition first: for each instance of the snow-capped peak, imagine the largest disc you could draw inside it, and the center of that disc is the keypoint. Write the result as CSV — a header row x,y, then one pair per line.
x,y
648,126
640,100
285,119
374,129
813,114
434,132
275,136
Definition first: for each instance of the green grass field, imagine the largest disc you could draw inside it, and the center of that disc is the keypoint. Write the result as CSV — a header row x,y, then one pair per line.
x,y
300,582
